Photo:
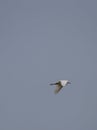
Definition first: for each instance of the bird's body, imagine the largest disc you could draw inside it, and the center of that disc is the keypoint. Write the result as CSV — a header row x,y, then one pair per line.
x,y
60,84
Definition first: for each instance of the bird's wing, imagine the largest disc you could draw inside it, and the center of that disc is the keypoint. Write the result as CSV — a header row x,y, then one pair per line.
x,y
58,87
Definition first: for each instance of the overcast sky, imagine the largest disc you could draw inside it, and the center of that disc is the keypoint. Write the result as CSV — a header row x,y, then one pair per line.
x,y
42,41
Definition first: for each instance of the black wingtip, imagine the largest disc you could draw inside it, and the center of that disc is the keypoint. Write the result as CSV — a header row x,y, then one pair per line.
x,y
52,84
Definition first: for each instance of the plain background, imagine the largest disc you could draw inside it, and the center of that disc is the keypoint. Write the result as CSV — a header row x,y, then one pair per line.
x,y
42,41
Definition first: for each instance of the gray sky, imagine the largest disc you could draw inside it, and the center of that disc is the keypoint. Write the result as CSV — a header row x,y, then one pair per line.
x,y
41,42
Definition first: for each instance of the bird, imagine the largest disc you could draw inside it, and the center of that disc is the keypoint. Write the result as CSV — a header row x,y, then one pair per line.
x,y
60,84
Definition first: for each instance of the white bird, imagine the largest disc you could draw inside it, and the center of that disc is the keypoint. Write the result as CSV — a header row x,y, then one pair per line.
x,y
60,84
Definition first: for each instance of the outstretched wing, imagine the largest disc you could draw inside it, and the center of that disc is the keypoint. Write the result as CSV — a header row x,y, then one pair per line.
x,y
58,88
57,83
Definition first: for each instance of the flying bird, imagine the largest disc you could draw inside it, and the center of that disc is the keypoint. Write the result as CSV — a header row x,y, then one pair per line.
x,y
60,84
